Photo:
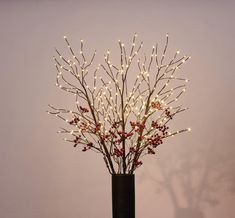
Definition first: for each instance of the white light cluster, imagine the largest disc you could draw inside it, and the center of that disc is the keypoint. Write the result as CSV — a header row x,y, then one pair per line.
x,y
151,97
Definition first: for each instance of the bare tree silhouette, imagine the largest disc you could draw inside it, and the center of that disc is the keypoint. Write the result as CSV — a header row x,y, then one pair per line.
x,y
192,176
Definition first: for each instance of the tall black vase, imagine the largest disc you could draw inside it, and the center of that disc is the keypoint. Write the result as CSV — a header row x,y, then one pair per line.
x,y
123,195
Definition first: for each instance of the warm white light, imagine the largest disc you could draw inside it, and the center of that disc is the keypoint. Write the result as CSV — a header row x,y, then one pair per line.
x,y
112,97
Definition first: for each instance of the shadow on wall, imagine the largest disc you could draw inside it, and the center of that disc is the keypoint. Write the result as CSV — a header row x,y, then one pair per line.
x,y
193,176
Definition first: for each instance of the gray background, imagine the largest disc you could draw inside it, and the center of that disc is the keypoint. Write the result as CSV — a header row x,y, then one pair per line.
x,y
41,176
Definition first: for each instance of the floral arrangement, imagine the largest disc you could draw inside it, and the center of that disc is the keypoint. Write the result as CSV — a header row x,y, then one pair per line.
x,y
121,116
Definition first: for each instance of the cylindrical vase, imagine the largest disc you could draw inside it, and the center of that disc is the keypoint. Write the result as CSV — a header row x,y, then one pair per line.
x,y
123,195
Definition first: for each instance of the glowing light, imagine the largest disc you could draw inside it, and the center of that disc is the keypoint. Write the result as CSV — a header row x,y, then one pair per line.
x,y
104,96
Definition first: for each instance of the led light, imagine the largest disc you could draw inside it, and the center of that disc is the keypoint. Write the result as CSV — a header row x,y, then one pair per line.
x,y
105,97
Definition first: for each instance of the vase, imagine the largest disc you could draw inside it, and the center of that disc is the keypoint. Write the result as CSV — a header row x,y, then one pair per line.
x,y
123,195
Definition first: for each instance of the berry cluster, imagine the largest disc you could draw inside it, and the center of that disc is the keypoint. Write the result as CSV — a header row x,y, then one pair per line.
x,y
137,126
83,109
156,105
88,146
74,121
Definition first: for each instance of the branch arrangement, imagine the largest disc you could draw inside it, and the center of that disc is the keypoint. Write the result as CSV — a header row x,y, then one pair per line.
x,y
120,115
